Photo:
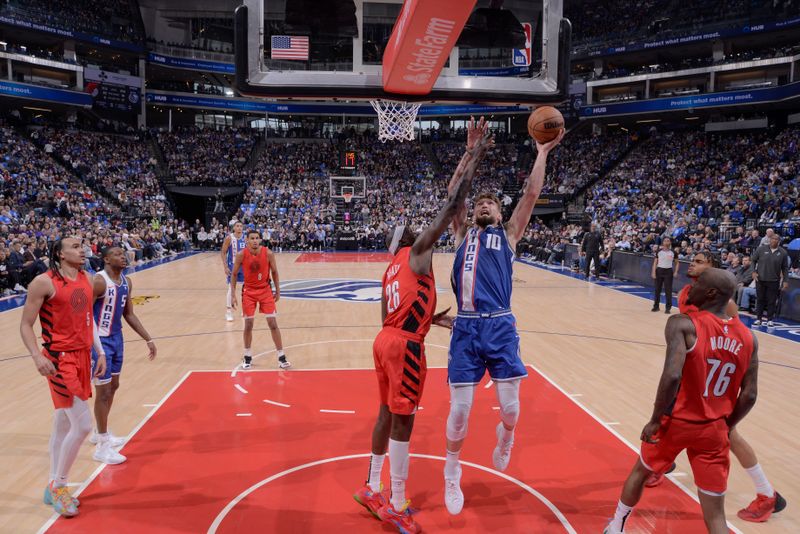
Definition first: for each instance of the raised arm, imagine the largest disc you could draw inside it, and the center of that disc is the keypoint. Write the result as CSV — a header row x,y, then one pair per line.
x,y
679,328
475,132
530,193
133,320
273,269
422,249
748,391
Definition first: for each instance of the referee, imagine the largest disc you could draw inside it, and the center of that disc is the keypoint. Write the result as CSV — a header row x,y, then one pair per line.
x,y
665,268
771,267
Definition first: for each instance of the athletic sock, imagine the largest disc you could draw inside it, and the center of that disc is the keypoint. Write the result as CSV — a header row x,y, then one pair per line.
x,y
248,352
451,464
760,481
620,516
375,468
281,354
398,468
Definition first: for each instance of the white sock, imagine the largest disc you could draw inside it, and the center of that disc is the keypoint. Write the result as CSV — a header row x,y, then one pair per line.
x,y
248,351
451,464
228,298
60,430
281,353
760,481
620,516
398,468
375,468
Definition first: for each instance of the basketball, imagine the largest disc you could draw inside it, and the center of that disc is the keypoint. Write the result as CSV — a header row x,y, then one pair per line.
x,y
545,123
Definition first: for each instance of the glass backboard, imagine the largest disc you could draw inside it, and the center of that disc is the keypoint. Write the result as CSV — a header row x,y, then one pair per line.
x,y
508,51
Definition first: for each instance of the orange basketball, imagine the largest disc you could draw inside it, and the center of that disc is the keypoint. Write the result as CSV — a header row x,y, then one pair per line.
x,y
545,123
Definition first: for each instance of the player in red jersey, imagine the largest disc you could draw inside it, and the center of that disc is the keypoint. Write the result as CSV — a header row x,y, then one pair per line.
x,y
62,299
408,301
708,385
258,264
767,501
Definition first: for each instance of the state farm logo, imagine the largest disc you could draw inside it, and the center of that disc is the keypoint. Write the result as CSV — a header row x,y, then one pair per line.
x,y
428,49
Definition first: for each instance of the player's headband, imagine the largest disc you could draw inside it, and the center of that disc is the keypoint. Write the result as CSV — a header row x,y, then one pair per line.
x,y
398,233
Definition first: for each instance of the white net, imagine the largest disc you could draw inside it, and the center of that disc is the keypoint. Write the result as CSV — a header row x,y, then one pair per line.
x,y
395,119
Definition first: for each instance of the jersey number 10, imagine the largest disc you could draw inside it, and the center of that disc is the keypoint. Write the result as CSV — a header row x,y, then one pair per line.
x,y
392,296
723,379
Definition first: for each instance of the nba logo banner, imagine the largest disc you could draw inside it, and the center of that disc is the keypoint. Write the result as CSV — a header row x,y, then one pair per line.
x,y
521,57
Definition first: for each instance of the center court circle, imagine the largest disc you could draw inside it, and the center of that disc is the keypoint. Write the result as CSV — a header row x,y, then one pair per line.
x,y
317,497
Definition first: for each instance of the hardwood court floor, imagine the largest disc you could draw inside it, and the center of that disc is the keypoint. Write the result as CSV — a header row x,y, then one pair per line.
x,y
603,346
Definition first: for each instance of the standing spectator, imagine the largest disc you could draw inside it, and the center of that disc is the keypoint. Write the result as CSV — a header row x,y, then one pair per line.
x,y
771,264
590,248
665,268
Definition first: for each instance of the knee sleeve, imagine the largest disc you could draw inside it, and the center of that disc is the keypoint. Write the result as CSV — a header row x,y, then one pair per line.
x,y
508,398
460,406
80,417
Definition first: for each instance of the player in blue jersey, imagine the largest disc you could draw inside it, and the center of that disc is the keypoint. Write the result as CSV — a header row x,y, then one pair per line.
x,y
484,330
233,244
110,308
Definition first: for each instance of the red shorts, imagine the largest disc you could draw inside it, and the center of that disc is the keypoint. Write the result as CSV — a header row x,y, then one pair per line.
x,y
401,368
73,376
258,297
707,446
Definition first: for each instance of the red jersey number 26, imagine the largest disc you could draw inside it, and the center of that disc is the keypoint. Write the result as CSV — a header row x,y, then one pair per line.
x,y
392,296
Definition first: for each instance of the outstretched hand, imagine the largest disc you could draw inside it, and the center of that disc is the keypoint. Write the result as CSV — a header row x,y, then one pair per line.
x,y
476,131
482,145
550,145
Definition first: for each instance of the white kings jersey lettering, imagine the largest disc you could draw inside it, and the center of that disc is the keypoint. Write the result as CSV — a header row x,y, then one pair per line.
x,y
727,344
107,311
111,306
237,245
472,248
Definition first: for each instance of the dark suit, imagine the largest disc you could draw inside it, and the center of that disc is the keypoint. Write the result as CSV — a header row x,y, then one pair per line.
x,y
592,244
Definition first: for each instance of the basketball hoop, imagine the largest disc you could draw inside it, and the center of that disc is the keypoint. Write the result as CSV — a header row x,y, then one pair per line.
x,y
395,119
347,197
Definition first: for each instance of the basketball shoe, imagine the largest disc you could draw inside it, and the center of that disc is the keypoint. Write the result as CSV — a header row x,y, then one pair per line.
x,y
115,441
401,518
247,362
502,453
373,501
283,363
48,496
453,496
105,454
62,501
229,315
762,508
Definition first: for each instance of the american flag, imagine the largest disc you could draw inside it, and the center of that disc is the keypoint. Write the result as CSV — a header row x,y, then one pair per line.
x,y
289,47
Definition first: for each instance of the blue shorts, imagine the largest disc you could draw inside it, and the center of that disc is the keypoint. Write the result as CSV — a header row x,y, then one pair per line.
x,y
481,344
239,276
113,345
